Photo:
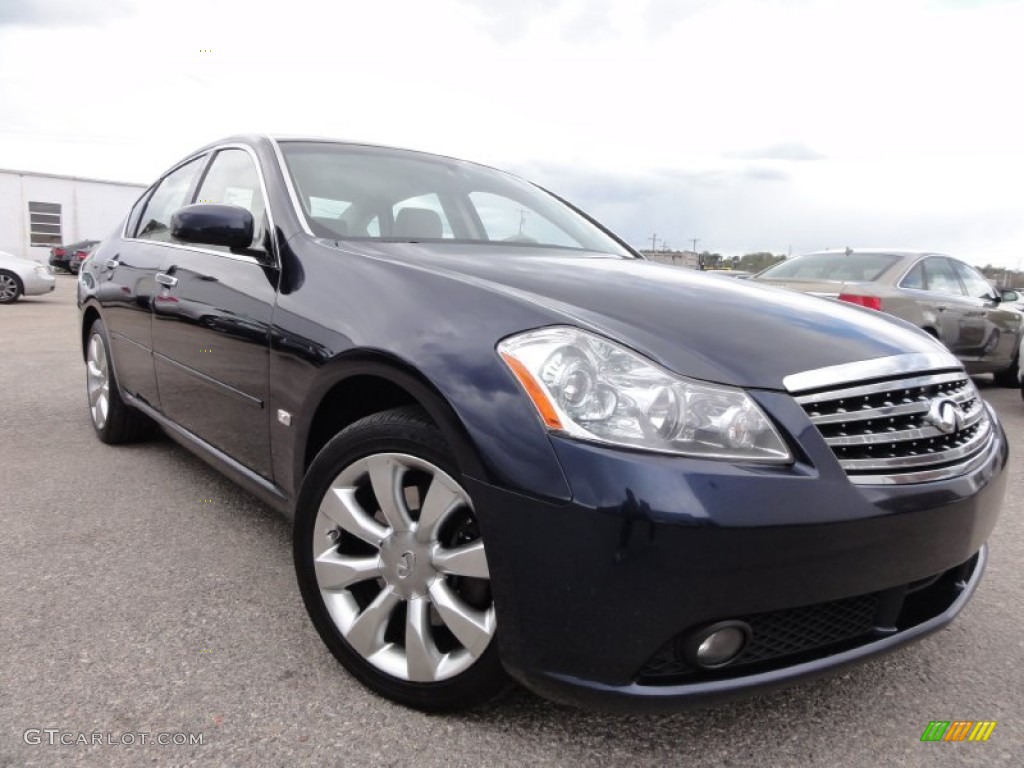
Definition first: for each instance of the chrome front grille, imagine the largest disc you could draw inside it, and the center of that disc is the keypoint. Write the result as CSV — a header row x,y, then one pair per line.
x,y
900,425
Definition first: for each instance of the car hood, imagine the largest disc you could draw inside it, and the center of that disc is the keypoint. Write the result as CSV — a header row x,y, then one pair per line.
x,y
726,331
11,260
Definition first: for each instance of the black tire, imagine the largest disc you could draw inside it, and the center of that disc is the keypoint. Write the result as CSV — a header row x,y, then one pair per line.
x,y
1008,377
11,287
120,423
404,434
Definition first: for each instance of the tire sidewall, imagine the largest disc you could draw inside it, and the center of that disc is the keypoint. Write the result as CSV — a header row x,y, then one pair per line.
x,y
114,395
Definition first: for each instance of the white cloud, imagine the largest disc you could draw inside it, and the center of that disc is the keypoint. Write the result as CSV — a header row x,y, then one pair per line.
x,y
60,13
684,118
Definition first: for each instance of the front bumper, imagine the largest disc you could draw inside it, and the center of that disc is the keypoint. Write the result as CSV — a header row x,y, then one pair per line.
x,y
37,284
590,594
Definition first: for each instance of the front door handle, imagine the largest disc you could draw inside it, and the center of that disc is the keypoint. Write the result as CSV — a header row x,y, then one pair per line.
x,y
941,307
164,279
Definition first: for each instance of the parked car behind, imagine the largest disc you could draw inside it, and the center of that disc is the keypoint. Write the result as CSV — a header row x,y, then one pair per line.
x,y
943,296
69,258
23,277
514,449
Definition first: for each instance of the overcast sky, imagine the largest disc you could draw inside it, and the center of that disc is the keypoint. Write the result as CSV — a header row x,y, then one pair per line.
x,y
749,124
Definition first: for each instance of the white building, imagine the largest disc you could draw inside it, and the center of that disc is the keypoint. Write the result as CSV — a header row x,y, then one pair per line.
x,y
40,210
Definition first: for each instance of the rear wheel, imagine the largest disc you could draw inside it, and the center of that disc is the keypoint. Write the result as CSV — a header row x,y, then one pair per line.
x,y
392,567
114,420
10,287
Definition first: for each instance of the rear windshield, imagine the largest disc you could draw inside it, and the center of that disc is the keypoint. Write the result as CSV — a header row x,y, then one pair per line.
x,y
833,266
366,193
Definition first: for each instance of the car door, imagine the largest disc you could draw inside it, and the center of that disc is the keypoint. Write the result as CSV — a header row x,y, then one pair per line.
x,y
211,324
994,330
946,297
126,286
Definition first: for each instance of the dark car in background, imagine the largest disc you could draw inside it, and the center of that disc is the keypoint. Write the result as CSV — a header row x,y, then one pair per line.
x,y
513,449
70,257
943,296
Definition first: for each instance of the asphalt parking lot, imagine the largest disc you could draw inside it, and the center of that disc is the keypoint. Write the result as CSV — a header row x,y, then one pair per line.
x,y
140,592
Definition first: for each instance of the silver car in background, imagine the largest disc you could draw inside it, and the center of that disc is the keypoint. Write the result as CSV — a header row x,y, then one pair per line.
x,y
23,277
941,295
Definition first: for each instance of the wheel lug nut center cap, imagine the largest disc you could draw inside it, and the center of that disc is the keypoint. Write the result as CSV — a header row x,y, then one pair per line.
x,y
407,568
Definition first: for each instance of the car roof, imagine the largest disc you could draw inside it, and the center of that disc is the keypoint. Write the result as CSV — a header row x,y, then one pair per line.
x,y
902,252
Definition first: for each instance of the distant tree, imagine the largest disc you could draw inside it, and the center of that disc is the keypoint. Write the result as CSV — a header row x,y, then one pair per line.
x,y
755,262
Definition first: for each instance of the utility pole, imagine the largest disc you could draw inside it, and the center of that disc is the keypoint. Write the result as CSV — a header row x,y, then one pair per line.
x,y
700,261
654,241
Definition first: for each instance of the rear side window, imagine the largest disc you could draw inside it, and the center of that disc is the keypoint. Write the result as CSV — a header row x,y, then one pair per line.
x,y
941,278
914,278
170,195
852,267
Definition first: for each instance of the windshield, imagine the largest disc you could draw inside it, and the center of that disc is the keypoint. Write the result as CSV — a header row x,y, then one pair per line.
x,y
853,267
366,193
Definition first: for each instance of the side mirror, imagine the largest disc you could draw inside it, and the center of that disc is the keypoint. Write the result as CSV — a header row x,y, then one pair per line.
x,y
213,224
1010,296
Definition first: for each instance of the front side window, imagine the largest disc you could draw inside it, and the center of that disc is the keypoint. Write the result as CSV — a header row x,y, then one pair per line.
x,y
232,179
975,283
350,192
170,195
940,277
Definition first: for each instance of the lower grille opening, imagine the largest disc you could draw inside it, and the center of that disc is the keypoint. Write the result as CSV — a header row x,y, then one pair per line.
x,y
794,635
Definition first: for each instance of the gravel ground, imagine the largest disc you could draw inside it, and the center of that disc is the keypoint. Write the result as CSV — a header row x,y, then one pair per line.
x,y
141,592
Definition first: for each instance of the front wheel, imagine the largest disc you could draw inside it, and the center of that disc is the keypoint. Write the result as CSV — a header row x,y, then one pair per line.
x,y
392,566
10,287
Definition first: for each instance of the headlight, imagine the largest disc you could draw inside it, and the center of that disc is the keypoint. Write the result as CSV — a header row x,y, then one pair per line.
x,y
43,271
593,389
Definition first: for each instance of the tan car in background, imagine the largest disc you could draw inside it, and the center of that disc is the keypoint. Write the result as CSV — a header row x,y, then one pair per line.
x,y
944,296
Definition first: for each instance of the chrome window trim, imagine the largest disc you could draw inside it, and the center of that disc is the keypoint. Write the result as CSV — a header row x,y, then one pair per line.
x,y
290,187
212,151
199,249
880,367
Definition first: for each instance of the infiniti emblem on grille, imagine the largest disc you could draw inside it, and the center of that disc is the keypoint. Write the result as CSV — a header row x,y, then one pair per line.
x,y
406,563
946,416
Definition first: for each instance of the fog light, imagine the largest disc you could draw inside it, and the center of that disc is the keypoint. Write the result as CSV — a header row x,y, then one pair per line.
x,y
717,645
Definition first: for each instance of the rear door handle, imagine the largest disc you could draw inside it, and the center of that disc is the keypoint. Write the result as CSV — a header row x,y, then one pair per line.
x,y
941,307
164,279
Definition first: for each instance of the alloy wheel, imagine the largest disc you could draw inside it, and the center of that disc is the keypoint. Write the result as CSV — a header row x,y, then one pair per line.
x,y
401,567
8,288
98,380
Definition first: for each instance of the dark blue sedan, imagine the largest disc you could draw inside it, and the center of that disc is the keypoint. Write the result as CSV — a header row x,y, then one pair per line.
x,y
513,449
